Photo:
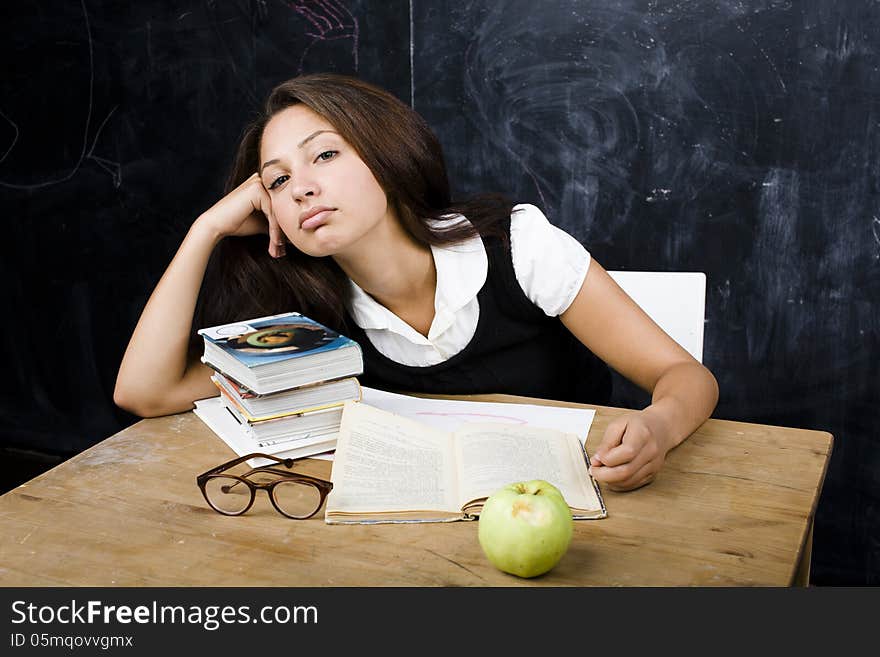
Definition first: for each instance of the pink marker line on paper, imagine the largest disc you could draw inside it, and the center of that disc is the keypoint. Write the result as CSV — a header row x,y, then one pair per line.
x,y
515,420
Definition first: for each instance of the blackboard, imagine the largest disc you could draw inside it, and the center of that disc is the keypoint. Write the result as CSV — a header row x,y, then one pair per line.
x,y
740,139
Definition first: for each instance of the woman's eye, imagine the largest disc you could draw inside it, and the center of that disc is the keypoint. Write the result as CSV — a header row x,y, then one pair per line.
x,y
326,155
280,180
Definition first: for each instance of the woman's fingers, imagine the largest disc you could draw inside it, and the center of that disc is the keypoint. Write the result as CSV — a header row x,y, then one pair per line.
x,y
276,235
643,476
262,204
611,439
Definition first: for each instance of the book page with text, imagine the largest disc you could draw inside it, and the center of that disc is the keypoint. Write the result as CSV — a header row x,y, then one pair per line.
x,y
385,462
494,455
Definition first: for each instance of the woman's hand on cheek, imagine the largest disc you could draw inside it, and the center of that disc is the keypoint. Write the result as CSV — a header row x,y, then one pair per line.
x,y
243,211
631,452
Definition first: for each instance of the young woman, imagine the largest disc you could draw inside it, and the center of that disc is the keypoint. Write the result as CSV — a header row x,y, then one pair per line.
x,y
481,296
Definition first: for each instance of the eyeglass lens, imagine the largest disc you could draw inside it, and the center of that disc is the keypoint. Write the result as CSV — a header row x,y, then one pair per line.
x,y
295,498
227,494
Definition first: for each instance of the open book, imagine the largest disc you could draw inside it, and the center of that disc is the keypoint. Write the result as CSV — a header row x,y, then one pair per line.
x,y
389,468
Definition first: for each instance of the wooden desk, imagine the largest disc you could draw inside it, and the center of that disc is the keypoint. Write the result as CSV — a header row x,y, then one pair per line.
x,y
733,506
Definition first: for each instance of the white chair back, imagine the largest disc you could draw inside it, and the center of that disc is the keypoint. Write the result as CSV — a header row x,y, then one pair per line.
x,y
675,300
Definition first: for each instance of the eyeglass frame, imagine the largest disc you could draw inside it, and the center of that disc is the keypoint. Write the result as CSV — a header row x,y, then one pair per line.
x,y
324,487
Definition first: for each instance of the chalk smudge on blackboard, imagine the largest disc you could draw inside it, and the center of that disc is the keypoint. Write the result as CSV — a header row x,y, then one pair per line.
x,y
330,20
13,138
773,264
110,166
412,45
763,52
86,150
561,110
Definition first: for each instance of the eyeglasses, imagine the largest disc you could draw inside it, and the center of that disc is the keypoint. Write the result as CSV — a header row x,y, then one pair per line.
x,y
293,495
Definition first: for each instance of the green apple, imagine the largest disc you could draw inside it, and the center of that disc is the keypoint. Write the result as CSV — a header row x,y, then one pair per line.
x,y
525,528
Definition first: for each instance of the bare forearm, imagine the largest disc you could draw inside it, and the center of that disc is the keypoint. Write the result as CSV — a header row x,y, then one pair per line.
x,y
684,397
155,360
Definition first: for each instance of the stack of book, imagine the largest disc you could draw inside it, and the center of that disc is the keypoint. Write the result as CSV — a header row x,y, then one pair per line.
x,y
283,382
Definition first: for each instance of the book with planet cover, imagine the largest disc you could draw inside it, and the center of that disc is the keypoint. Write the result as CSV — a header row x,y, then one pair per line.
x,y
278,352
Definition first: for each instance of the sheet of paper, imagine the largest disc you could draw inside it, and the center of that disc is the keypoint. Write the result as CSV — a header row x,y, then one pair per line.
x,y
448,415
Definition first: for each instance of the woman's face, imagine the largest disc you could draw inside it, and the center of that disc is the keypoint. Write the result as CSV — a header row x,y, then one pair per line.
x,y
324,197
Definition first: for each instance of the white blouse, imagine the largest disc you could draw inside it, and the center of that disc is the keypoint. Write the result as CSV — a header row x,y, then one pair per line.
x,y
550,265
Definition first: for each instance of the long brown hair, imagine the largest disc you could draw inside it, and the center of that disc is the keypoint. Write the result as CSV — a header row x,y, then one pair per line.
x,y
242,281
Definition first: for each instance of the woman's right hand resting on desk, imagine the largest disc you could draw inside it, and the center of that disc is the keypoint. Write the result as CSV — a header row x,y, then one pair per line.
x,y
155,376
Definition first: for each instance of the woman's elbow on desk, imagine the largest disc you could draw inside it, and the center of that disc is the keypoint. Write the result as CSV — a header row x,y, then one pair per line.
x,y
164,395
143,406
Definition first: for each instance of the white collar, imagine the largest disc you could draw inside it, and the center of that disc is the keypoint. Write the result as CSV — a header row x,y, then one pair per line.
x,y
461,272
